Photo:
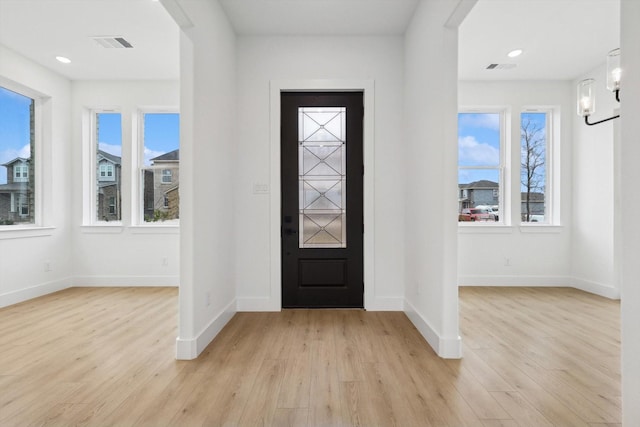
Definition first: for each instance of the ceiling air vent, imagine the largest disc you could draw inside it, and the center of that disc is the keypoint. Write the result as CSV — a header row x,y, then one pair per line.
x,y
501,66
112,42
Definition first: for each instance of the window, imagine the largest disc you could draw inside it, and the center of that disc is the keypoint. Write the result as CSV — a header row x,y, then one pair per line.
x,y
17,158
112,205
480,165
533,166
159,166
108,145
21,173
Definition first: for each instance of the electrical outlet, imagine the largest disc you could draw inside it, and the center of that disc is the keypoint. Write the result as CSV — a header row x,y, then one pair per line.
x,y
165,261
208,299
507,262
47,266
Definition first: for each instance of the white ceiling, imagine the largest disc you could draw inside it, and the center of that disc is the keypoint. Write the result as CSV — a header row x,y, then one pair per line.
x,y
562,39
43,29
320,17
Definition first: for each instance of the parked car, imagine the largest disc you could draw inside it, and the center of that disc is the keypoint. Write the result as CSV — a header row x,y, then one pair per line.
x,y
492,209
478,214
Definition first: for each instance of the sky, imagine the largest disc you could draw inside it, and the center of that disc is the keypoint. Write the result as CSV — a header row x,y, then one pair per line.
x,y
14,128
161,134
479,144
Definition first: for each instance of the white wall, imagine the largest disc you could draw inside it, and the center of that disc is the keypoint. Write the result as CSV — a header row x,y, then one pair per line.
x,y
127,254
207,209
24,253
593,193
630,205
430,140
262,60
538,255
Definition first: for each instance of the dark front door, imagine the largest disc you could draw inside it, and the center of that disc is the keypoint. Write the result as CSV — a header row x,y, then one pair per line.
x,y
322,203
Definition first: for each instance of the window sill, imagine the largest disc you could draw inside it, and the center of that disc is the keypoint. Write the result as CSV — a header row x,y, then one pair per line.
x,y
111,228
155,229
541,228
22,232
479,227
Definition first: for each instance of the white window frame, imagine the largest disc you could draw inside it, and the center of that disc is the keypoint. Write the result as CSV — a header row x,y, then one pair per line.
x,y
91,170
552,132
42,131
504,186
166,173
21,172
138,168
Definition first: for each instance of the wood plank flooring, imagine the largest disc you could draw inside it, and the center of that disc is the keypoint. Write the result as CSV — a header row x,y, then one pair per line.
x,y
102,357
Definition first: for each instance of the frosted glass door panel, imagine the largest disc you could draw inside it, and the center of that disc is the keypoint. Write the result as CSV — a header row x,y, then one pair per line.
x,y
322,176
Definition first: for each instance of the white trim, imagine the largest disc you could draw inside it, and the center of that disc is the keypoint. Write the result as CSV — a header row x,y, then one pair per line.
x,y
445,347
519,280
24,231
276,87
597,288
386,304
190,348
104,281
15,297
251,304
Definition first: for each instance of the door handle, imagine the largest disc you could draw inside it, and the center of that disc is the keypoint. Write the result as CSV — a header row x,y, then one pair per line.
x,y
290,231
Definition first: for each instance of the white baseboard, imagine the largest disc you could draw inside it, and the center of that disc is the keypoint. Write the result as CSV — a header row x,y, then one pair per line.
x,y
125,281
447,348
516,280
386,304
15,297
249,304
190,348
596,288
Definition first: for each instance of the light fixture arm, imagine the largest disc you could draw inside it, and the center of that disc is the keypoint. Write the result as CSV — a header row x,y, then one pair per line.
x,y
586,120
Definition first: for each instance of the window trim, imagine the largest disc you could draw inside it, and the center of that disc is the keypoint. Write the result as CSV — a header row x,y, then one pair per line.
x,y
504,185
42,131
91,169
552,129
138,168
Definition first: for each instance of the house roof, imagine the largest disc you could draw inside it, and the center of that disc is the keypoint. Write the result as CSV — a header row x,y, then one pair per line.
x,y
479,185
17,159
533,197
112,158
14,186
171,156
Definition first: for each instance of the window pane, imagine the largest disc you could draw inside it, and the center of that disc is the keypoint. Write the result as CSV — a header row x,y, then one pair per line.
x,y
108,166
479,139
161,165
533,171
479,195
322,177
17,157
479,166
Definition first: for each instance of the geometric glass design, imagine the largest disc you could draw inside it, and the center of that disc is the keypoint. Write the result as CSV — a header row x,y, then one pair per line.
x,y
322,176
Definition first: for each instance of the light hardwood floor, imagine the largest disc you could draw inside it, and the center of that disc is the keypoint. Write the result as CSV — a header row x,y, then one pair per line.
x,y
532,357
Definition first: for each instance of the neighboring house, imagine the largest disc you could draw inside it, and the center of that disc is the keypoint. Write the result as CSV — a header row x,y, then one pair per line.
x,y
161,187
16,196
109,172
478,193
536,204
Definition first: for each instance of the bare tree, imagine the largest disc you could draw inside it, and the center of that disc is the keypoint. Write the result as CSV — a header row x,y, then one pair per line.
x,y
533,148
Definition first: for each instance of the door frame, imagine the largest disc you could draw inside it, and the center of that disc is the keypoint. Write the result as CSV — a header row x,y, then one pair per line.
x,y
275,262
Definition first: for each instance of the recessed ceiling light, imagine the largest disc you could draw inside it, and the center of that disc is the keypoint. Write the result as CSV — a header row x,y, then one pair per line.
x,y
63,59
515,53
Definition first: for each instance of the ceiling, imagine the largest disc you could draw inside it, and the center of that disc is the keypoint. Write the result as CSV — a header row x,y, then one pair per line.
x,y
562,39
